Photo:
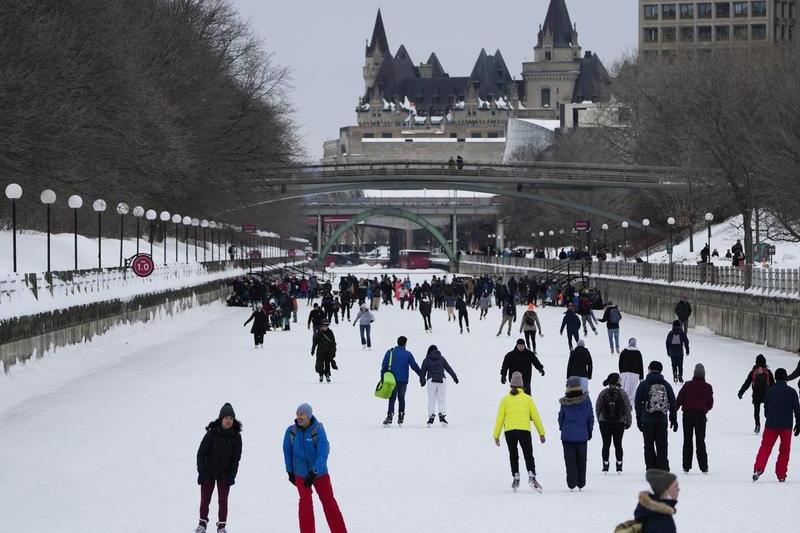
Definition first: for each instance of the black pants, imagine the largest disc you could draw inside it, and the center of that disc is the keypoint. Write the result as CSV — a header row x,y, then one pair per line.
x,y
694,425
757,412
612,431
258,338
346,311
484,312
530,340
426,319
522,437
677,366
465,318
575,461
570,336
655,446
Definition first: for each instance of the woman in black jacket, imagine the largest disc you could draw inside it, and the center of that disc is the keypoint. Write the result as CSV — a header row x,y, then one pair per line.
x,y
325,346
218,463
432,373
760,378
260,320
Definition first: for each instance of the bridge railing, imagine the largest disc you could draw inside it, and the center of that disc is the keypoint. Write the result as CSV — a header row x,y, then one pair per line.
x,y
768,281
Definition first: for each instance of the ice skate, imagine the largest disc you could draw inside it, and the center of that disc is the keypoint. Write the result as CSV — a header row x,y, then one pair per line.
x,y
387,421
619,467
757,430
321,377
202,527
515,483
605,467
328,378
533,483
443,420
757,474
431,419
221,527
400,418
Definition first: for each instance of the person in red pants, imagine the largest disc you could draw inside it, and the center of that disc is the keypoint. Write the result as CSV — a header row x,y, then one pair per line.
x,y
305,452
218,463
781,404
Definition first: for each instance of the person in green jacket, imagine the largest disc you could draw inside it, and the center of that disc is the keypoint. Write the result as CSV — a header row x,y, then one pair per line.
x,y
515,414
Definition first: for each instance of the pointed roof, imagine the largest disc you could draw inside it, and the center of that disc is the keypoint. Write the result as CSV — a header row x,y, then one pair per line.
x,y
379,40
593,80
491,74
403,65
558,22
437,71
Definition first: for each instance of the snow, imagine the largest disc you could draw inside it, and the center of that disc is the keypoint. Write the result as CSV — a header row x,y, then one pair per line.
x,y
112,425
551,125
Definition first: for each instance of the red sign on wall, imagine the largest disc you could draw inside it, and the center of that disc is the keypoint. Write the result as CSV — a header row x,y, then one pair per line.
x,y
249,228
583,225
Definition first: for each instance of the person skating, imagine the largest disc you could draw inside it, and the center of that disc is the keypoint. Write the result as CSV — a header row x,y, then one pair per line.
x,y
365,318
676,341
614,416
463,314
655,510
315,317
760,379
398,360
631,369
425,310
529,325
520,359
432,374
655,405
782,412
514,416
218,464
576,422
572,324
485,302
580,365
585,312
260,321
325,346
612,317
683,310
305,454
450,305
696,398
509,317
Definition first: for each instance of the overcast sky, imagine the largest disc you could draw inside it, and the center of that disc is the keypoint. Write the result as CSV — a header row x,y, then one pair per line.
x,y
322,41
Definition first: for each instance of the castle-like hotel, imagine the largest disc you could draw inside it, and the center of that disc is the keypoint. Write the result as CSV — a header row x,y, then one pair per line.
x,y
420,112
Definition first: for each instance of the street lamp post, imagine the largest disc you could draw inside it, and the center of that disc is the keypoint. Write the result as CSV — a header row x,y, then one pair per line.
x,y
541,242
490,247
138,212
671,223
164,217
625,240
646,223
213,226
204,225
605,237
195,223
561,237
99,206
187,221
123,209
151,215
14,193
176,219
48,197
709,218
75,202
552,234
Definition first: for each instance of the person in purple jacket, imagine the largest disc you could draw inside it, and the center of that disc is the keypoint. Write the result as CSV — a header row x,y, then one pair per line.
x,y
576,422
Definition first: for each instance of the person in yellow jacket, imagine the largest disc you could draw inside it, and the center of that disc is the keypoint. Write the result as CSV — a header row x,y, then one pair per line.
x,y
515,414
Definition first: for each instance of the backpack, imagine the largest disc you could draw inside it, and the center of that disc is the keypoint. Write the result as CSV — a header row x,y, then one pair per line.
x,y
629,526
387,383
293,432
657,401
614,315
676,339
529,319
613,406
760,379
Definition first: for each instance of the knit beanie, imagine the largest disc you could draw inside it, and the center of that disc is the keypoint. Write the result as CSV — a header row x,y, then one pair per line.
x,y
612,379
761,360
227,410
699,371
516,379
659,480
780,374
574,384
521,341
530,307
305,409
655,365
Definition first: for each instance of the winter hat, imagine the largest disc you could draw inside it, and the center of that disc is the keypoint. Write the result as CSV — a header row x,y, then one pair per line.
x,y
761,360
364,307
659,480
521,341
699,371
655,365
325,322
227,410
612,379
609,303
531,307
432,348
632,342
676,324
574,384
305,409
780,374
581,343
516,379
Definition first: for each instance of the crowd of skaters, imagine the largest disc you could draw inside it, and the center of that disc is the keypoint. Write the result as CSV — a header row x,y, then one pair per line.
x,y
631,395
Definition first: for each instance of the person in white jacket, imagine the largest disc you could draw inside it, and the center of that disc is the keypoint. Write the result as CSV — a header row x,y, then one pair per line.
x,y
365,318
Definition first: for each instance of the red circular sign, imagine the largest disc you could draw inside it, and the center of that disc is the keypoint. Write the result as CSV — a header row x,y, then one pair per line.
x,y
291,253
143,265
255,254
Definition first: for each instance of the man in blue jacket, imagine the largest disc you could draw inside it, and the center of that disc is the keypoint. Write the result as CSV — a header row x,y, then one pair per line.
x,y
397,361
305,452
655,404
573,325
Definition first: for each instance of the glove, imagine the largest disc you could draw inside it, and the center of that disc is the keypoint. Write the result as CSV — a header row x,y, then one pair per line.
x,y
674,426
739,395
291,477
201,478
541,372
640,426
232,481
421,382
542,439
503,380
497,442
455,380
797,430
309,479
590,436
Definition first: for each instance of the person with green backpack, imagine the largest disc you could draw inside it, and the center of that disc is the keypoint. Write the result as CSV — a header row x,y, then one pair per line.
x,y
655,510
397,361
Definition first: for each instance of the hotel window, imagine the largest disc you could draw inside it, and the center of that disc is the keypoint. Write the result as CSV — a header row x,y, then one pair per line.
x,y
545,97
651,35
548,56
723,33
651,12
386,135
723,10
668,34
759,9
493,135
476,135
367,135
759,32
740,32
704,33
687,34
740,9
667,11
687,11
704,10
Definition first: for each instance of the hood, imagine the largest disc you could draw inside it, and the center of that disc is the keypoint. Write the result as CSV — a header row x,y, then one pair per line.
x,y
216,425
434,355
650,506
566,401
655,377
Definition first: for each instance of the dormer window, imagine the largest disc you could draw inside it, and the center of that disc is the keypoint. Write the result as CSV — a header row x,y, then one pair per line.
x,y
548,55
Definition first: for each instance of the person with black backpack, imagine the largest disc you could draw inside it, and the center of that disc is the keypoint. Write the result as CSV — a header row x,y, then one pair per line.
x,y
528,325
614,415
676,341
655,405
509,316
696,398
760,379
612,318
